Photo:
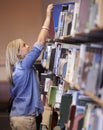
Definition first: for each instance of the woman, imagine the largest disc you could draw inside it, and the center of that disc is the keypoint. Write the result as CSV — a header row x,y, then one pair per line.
x,y
24,84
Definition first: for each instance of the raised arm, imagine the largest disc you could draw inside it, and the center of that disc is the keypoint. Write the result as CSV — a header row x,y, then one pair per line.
x,y
45,28
31,57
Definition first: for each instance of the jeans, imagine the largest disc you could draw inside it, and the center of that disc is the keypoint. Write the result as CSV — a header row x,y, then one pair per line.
x,y
23,122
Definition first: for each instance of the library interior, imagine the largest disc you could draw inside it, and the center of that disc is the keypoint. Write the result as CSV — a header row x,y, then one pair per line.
x,y
70,67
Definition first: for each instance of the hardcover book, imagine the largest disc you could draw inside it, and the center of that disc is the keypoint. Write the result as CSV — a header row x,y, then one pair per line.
x,y
62,16
52,95
66,101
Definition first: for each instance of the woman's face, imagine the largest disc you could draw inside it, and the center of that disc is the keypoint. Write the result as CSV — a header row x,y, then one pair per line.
x,y
23,50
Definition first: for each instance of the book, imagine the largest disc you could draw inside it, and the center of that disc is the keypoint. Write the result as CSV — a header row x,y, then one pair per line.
x,y
99,87
64,111
75,17
62,15
99,20
72,109
98,124
59,94
48,50
93,118
83,15
68,20
46,81
88,67
64,70
57,57
79,115
72,62
61,20
46,55
91,24
47,117
62,60
90,117
52,95
76,64
71,117
52,58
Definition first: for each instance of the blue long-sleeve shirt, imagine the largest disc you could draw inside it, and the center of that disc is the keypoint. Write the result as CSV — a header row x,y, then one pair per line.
x,y
27,99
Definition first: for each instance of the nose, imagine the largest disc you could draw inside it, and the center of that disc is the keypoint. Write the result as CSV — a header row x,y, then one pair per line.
x,y
28,47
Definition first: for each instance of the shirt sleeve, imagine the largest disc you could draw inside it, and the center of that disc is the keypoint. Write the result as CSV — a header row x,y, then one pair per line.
x,y
38,45
33,54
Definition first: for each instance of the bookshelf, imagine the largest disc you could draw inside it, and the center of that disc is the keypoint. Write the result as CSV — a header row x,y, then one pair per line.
x,y
94,35
90,94
88,42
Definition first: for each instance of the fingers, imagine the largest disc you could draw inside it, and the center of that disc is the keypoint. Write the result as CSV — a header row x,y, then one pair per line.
x,y
50,8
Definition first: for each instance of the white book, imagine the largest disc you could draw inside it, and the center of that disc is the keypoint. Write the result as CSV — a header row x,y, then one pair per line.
x,y
67,23
48,50
99,113
100,14
75,18
70,64
47,84
87,116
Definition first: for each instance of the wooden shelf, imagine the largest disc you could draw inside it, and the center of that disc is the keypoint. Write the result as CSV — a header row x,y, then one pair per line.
x,y
87,93
94,35
70,40
93,97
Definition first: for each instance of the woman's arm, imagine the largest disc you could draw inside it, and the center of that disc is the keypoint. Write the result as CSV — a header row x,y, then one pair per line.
x,y
45,28
31,57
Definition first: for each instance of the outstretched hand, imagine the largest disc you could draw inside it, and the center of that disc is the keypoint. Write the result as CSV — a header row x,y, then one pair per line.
x,y
49,9
45,28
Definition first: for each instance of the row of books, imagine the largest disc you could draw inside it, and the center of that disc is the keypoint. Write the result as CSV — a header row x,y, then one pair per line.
x,y
80,16
93,119
89,54
75,111
65,20
80,65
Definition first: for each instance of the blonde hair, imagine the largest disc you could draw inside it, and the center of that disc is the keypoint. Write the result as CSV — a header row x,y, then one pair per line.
x,y
12,56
